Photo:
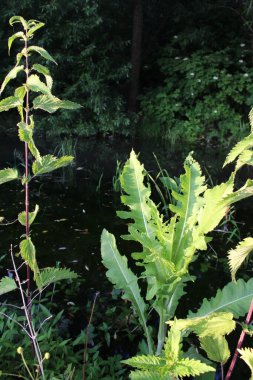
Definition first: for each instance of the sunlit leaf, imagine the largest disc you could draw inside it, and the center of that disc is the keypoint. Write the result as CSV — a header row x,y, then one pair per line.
x,y
247,356
28,254
33,26
216,348
34,83
44,70
7,175
49,163
10,102
13,37
32,216
7,284
237,255
52,104
42,52
19,19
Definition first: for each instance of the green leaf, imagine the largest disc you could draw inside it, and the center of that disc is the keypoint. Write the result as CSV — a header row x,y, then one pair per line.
x,y
48,163
28,254
145,362
32,216
33,26
247,356
7,284
237,256
13,37
11,75
42,52
216,348
52,104
148,375
123,278
44,70
25,132
214,324
7,175
238,149
20,92
190,367
10,102
19,19
234,297
34,83
52,275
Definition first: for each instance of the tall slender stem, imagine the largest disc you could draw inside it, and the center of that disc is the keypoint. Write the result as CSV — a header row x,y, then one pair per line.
x,y
239,344
26,166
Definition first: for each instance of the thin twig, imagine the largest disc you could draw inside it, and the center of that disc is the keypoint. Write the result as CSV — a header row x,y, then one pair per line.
x,y
15,321
87,334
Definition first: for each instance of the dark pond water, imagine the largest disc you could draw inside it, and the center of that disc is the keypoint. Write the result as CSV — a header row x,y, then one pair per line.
x,y
77,203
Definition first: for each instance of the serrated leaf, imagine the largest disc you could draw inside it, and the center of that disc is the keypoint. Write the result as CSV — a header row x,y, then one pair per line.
x,y
48,163
190,367
25,132
42,52
145,362
34,83
237,255
18,19
7,284
20,92
7,175
13,37
10,102
44,70
246,143
28,254
51,275
32,216
247,356
234,297
11,75
51,104
123,278
214,324
216,348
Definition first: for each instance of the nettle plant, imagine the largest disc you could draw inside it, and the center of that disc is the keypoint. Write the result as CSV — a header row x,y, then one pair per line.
x,y
168,247
21,100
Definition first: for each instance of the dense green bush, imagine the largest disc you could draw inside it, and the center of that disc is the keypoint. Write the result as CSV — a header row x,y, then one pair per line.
x,y
203,95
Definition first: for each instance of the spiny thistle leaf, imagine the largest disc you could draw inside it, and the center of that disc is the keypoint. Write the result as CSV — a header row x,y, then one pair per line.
x,y
7,284
48,163
34,83
51,104
123,278
32,216
13,37
216,348
145,362
10,102
237,255
28,254
51,275
11,75
234,297
42,52
7,175
190,367
247,356
44,70
239,148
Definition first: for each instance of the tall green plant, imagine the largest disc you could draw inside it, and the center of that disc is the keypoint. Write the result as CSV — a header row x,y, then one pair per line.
x,y
168,247
34,93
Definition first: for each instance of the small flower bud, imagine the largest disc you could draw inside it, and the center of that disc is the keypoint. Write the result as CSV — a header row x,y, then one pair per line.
x,y
47,355
20,350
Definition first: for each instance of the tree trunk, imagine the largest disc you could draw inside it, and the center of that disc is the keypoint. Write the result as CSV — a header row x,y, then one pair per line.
x,y
136,55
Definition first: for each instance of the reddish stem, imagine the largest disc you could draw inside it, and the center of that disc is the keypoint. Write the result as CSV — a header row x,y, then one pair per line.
x,y
239,344
27,171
